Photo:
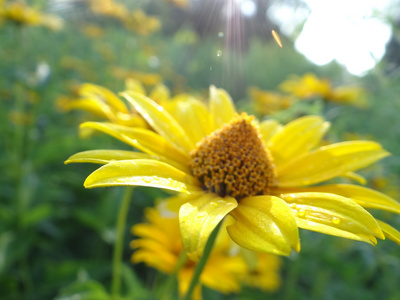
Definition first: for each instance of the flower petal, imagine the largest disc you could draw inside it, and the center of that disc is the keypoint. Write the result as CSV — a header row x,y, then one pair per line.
x,y
105,156
198,218
334,215
160,120
328,162
142,172
265,224
296,138
356,177
268,129
363,196
194,114
140,138
390,232
91,90
222,108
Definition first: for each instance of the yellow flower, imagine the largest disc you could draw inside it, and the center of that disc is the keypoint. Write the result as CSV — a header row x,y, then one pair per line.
x,y
261,174
145,78
262,271
349,95
159,246
180,3
93,31
267,102
109,8
139,22
103,103
307,86
20,13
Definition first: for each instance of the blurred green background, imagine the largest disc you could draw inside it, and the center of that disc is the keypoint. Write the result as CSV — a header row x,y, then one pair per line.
x,y
56,238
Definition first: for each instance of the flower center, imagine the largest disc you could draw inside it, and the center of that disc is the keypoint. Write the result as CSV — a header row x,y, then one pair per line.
x,y
233,161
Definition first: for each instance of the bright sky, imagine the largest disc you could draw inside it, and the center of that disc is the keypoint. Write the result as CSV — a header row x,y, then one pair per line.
x,y
344,30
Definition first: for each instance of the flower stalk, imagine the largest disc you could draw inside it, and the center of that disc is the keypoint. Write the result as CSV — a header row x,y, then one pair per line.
x,y
202,262
119,242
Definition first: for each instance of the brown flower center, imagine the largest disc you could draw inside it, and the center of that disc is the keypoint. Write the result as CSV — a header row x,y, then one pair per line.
x,y
233,161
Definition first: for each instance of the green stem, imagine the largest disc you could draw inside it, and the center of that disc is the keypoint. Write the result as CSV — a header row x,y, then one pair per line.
x,y
202,262
119,243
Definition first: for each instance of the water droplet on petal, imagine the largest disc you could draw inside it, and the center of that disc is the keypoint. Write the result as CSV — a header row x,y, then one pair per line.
x,y
201,215
147,179
212,203
301,213
293,205
336,220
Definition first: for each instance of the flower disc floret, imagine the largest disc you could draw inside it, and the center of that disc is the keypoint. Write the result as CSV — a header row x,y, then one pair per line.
x,y
233,161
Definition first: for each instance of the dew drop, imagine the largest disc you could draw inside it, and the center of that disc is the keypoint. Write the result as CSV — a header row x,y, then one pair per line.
x,y
147,180
201,215
293,206
212,203
336,220
160,108
219,53
301,213
220,34
120,180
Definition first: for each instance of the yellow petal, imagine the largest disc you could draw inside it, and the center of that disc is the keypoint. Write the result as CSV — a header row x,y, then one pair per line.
x,y
94,106
268,129
140,138
156,258
296,138
363,196
222,109
265,224
328,162
334,215
142,172
106,156
160,120
194,115
357,177
198,218
92,90
160,93
390,232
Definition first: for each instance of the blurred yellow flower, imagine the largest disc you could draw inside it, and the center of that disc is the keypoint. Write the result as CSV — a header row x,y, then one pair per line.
x,y
159,246
262,271
261,174
20,13
139,22
145,78
349,95
266,103
136,20
109,8
180,3
309,86
93,31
